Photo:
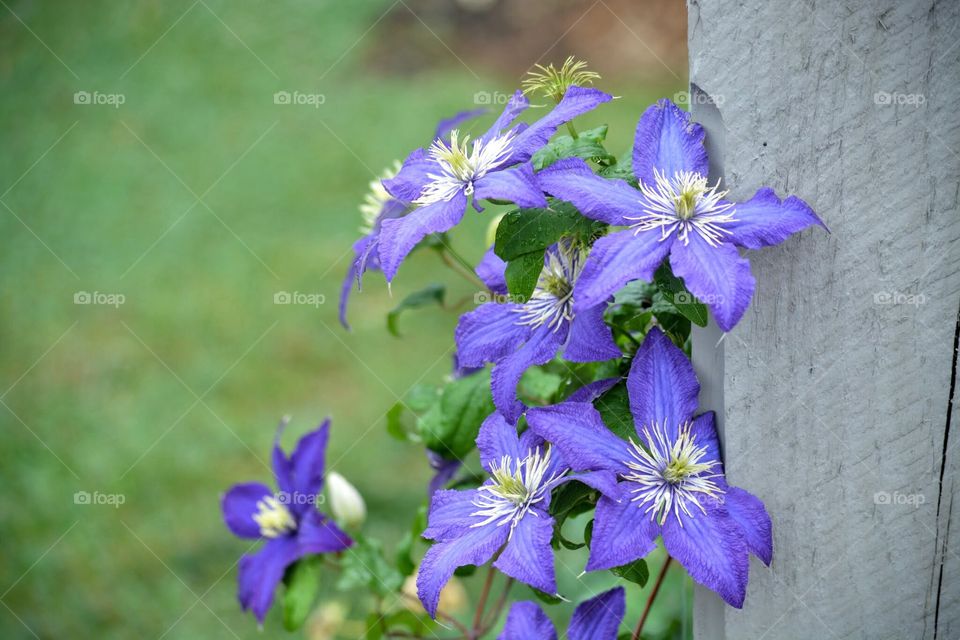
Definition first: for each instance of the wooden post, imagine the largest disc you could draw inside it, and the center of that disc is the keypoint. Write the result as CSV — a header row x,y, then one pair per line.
x,y
837,388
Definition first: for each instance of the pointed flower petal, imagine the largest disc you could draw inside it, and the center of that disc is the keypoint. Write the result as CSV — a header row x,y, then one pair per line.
x,y
719,276
575,428
599,618
259,574
527,621
539,349
492,270
764,220
577,101
610,201
489,333
757,529
622,532
662,386
590,338
528,556
239,505
497,439
412,177
614,261
398,237
518,185
667,140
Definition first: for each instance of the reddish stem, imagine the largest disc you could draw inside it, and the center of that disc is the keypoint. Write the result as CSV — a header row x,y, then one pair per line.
x,y
653,595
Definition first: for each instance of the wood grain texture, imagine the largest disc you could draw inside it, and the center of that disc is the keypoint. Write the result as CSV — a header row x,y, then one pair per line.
x,y
837,392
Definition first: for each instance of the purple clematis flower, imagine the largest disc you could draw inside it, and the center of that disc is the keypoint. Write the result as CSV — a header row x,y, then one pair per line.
x,y
595,619
676,212
509,512
288,520
378,206
517,336
671,480
496,165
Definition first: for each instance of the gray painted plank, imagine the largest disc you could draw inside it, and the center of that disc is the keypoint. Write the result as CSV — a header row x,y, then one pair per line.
x,y
836,386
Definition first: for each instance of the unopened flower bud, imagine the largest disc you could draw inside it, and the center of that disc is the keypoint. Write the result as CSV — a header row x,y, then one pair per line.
x,y
346,503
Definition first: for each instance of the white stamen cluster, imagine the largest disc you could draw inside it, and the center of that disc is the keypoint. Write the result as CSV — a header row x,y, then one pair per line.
x,y
517,485
376,198
461,165
273,518
684,203
552,300
670,474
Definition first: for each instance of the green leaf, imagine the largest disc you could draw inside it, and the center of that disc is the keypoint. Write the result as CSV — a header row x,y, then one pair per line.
x,y
302,585
403,417
465,571
622,169
538,386
614,408
569,500
677,294
523,231
545,597
587,145
418,625
522,274
364,566
451,426
431,294
588,533
636,572
374,627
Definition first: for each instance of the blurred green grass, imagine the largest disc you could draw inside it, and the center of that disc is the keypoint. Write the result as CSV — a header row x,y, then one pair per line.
x,y
174,395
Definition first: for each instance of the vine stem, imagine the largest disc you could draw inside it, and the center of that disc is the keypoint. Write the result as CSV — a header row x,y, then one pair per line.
x,y
456,264
482,603
653,595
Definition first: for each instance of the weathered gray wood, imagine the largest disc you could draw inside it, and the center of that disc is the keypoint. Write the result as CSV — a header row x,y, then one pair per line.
x,y
836,395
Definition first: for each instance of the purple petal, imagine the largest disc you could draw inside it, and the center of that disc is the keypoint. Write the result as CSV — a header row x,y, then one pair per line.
x,y
497,438
259,574
475,547
764,220
307,467
622,532
318,534
516,105
614,261
668,141
576,101
528,556
610,201
345,289
444,471
662,386
592,391
518,185
719,276
757,529
711,548
412,177
603,481
575,428
539,349
492,271
704,433
590,338
489,333
599,618
239,504
399,236
451,514
444,127
527,621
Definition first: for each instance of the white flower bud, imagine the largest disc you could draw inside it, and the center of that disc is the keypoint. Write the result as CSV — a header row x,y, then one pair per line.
x,y
346,503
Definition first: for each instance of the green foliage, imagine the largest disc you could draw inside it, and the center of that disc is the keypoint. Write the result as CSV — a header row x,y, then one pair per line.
x,y
429,295
676,293
522,274
587,145
539,387
636,572
614,409
464,405
364,566
302,582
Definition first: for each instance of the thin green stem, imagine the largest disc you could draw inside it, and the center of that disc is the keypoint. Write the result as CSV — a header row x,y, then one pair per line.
x,y
482,603
651,598
458,266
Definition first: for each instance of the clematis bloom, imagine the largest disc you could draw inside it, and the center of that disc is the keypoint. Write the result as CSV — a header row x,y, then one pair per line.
x,y
439,180
287,520
675,212
670,478
595,619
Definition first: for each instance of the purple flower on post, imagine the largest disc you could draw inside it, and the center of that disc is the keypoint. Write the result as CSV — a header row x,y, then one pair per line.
x,y
676,212
671,480
288,520
496,165
516,336
595,619
509,511
378,205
